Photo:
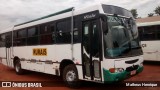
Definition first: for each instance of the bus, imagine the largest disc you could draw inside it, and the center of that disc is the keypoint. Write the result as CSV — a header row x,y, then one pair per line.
x,y
149,33
99,43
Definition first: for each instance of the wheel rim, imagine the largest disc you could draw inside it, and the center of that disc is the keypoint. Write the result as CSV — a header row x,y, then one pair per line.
x,y
17,67
70,76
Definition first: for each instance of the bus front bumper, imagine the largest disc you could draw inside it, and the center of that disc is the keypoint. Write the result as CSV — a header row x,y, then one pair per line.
x,y
114,77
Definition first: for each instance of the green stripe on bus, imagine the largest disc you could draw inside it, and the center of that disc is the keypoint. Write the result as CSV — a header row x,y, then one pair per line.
x,y
113,77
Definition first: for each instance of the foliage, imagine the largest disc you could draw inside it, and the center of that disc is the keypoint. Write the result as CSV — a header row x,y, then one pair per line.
x,y
134,13
150,14
157,10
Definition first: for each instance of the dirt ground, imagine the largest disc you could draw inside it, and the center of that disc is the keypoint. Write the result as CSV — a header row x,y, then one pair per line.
x,y
151,72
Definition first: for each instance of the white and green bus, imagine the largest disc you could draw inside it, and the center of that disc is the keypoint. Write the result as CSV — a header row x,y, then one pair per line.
x,y
99,43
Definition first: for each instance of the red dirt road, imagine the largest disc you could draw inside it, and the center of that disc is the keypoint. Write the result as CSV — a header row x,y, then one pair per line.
x,y
151,72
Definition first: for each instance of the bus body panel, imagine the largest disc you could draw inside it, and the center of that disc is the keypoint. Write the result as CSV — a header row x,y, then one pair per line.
x,y
3,56
51,61
151,50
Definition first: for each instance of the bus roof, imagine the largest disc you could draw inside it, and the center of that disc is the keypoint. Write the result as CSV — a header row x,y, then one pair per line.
x,y
7,29
68,13
148,21
55,16
50,15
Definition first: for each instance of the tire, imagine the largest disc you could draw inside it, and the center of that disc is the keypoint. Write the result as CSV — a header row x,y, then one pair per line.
x,y
18,68
70,76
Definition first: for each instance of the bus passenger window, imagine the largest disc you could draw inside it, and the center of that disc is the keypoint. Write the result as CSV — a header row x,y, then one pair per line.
x,y
47,34
63,32
32,36
63,37
20,37
158,32
140,31
2,40
32,41
21,42
46,39
15,34
32,31
46,28
22,33
149,33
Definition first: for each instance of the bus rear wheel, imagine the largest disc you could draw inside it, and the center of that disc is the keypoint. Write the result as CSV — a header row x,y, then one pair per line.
x,y
18,68
70,76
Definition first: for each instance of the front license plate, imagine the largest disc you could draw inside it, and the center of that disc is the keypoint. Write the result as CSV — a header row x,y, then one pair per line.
x,y
133,72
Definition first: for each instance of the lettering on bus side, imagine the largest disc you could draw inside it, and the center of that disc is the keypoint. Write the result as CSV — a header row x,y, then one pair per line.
x,y
90,16
144,45
39,51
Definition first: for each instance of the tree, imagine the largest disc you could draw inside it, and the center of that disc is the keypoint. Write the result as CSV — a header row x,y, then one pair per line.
x,y
157,10
134,13
150,14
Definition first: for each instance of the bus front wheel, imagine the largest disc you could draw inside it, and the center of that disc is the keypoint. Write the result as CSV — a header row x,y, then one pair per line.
x,y
18,68
70,76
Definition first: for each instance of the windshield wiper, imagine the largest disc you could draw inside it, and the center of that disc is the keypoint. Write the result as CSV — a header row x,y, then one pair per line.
x,y
122,23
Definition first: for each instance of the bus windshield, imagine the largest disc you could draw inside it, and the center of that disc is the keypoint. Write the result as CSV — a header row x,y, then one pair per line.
x,y
121,40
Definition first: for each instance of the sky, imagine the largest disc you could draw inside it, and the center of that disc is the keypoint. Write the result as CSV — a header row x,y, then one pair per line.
x,y
13,12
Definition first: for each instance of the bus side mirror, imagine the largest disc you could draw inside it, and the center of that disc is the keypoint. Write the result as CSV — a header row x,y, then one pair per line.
x,y
104,24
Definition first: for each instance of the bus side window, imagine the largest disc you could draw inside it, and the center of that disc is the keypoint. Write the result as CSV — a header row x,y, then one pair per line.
x,y
140,31
32,36
21,37
47,34
22,33
52,27
63,32
149,33
76,36
158,32
2,40
14,38
8,39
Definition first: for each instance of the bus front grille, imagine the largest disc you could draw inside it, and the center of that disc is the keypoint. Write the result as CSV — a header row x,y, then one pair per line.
x,y
131,68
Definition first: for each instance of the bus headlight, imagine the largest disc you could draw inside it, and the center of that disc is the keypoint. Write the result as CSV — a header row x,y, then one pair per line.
x,y
116,70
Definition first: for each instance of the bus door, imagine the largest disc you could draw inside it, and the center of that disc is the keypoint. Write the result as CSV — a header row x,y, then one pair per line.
x,y
8,45
91,51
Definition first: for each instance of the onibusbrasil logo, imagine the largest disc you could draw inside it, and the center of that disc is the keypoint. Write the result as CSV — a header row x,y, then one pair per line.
x,y
21,84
